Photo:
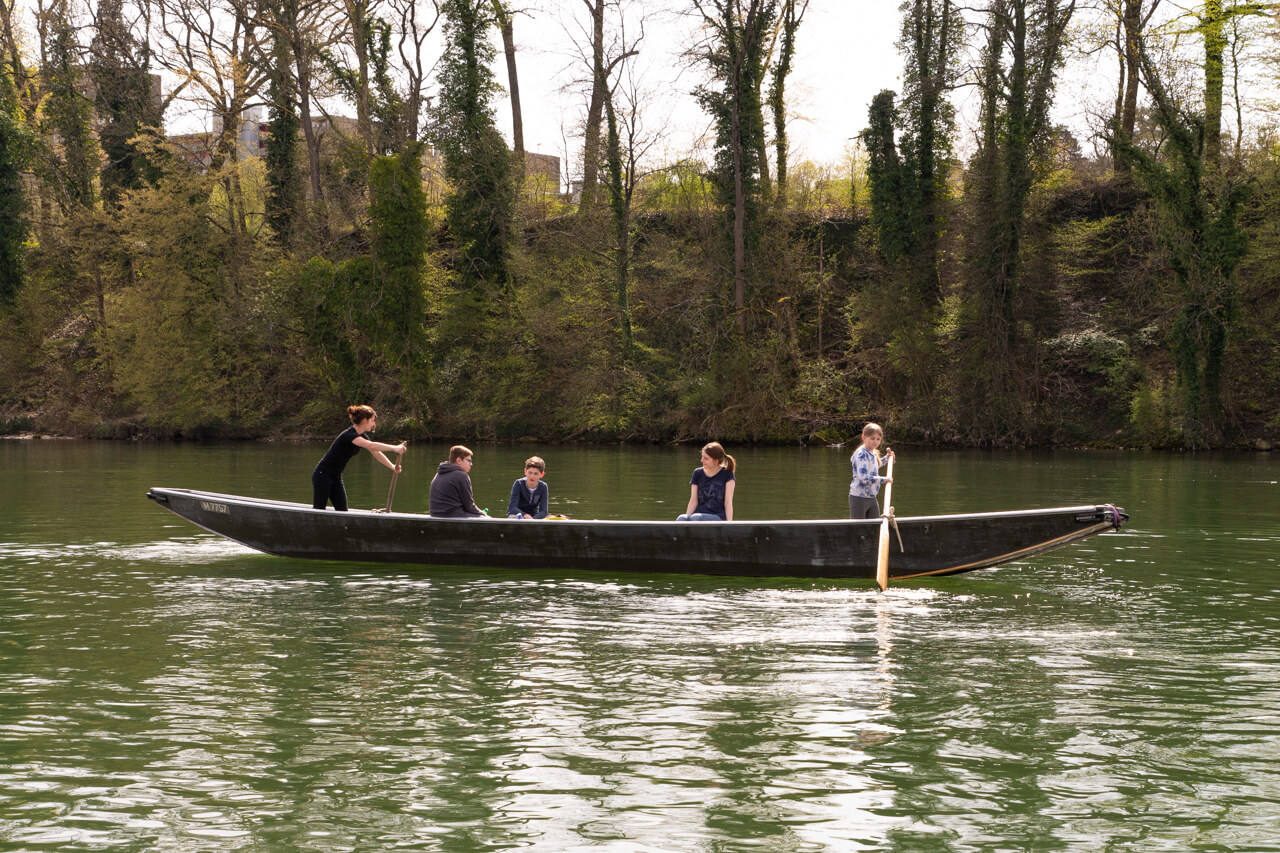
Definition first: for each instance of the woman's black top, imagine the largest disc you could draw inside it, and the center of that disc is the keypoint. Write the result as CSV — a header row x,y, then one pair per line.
x,y
340,453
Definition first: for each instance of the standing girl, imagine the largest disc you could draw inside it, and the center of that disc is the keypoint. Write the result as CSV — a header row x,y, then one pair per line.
x,y
711,488
326,480
866,463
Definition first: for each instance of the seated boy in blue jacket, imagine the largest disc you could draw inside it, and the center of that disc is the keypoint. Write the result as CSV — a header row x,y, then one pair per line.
x,y
529,495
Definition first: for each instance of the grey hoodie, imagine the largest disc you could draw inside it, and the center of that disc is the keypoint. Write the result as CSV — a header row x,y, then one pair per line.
x,y
451,493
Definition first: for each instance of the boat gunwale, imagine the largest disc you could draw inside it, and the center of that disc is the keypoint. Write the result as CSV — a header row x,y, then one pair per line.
x,y
294,506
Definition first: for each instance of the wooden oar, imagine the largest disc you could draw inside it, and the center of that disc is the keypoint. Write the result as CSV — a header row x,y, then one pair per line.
x,y
395,472
882,562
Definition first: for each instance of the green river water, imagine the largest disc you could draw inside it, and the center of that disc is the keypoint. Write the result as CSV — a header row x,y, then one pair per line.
x,y
162,689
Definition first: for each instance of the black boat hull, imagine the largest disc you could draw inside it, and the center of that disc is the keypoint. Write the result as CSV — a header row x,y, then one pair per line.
x,y
931,545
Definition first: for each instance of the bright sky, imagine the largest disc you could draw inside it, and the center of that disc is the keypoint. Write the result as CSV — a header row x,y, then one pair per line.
x,y
845,55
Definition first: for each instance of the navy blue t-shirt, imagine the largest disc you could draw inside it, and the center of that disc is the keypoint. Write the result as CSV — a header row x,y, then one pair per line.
x,y
711,490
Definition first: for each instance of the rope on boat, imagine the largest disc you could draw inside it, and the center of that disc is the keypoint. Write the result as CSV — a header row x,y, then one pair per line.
x,y
1116,519
893,522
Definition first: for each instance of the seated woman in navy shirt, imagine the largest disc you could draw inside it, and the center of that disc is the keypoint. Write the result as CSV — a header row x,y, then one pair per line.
x,y
711,487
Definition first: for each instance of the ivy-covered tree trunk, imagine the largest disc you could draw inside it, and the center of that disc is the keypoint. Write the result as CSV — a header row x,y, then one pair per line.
x,y
73,169
398,221
620,205
736,57
931,34
792,15
1199,226
890,204
481,206
1213,29
285,210
14,142
120,66
1021,56
908,184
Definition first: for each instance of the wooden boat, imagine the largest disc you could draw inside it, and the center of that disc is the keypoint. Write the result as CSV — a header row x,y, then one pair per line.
x,y
931,545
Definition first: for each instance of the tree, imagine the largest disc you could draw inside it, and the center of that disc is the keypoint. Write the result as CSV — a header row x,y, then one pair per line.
x,y
595,109
185,337
285,209
931,37
368,84
736,58
626,144
1132,19
1199,226
502,13
14,144
887,180
792,15
73,158
1212,25
1023,49
356,80
398,221
120,66
215,47
413,34
477,163
305,29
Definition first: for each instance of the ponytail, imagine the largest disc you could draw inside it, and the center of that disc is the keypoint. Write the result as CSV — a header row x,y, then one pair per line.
x,y
716,452
360,413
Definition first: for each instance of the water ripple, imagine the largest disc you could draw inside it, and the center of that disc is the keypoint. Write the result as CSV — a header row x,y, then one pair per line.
x,y
193,696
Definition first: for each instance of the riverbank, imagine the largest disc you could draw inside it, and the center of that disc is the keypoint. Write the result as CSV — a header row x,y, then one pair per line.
x,y
114,432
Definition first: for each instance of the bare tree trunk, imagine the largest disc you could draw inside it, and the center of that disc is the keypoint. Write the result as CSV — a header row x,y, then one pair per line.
x,y
1132,33
513,85
312,140
358,21
591,143
412,37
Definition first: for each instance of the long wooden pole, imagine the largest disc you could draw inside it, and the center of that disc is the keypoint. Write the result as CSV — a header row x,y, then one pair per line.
x,y
395,472
882,561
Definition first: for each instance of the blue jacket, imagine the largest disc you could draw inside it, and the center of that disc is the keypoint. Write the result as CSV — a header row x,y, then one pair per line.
x,y
525,503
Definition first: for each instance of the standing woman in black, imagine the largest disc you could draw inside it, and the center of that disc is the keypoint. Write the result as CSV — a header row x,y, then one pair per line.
x,y
326,480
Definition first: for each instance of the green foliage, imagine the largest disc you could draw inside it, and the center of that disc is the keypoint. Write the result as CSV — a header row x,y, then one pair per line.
x,y
398,221
72,168
119,66
681,188
178,313
286,198
738,64
888,180
364,319
387,107
15,145
186,337
1199,225
1153,414
1022,52
477,162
